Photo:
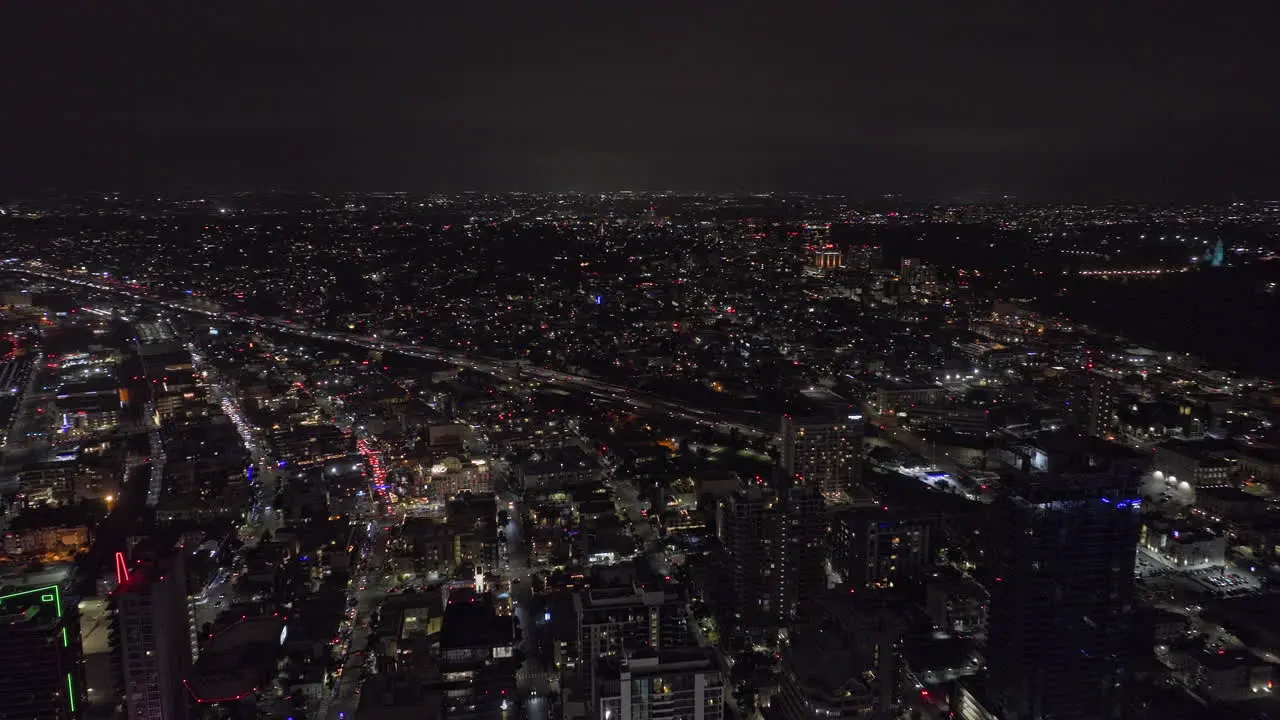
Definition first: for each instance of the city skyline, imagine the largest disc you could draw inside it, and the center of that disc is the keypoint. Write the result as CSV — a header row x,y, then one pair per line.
x,y
717,457
620,360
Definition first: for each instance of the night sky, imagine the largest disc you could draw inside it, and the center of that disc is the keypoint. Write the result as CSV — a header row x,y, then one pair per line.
x,y
1148,100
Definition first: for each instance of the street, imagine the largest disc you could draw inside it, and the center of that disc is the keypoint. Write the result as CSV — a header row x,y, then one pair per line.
x,y
344,698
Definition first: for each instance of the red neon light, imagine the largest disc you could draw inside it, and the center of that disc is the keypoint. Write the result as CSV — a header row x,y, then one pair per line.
x,y
122,570
232,698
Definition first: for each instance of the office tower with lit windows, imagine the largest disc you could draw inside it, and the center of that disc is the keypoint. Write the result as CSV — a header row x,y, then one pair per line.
x,y
43,676
823,452
1061,553
154,637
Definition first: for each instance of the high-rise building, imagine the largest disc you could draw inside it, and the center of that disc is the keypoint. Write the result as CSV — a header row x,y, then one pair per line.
x,y
802,546
877,548
776,543
864,257
908,268
842,660
1093,400
748,527
155,637
1062,555
43,676
823,452
619,620
917,274
681,684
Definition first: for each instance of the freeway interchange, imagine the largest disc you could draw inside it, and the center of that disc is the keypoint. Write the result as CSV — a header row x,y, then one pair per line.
x,y
505,369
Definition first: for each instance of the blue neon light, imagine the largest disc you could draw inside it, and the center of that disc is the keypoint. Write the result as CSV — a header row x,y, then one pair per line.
x,y
1129,501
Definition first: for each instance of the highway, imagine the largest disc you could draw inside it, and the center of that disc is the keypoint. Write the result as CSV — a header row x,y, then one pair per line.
x,y
506,369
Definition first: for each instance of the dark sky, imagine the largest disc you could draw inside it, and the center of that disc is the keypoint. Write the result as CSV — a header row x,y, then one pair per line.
x,y
1089,100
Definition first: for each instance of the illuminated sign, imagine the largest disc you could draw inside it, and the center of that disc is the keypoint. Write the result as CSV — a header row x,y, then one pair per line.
x,y
51,596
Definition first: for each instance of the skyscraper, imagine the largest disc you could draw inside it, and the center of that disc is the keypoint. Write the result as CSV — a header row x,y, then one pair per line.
x,y
1062,556
823,452
1103,394
748,526
155,637
43,676
776,542
875,548
802,543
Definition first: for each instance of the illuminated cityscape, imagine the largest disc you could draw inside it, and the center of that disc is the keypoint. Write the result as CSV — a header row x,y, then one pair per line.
x,y
639,361
711,477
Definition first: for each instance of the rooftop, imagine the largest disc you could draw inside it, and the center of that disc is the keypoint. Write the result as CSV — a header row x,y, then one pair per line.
x,y
237,661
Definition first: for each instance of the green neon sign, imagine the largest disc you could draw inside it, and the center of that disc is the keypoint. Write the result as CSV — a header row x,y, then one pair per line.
x,y
48,595
54,597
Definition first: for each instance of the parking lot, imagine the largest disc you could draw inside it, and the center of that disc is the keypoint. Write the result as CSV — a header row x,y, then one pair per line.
x,y
1169,493
1157,578
1226,581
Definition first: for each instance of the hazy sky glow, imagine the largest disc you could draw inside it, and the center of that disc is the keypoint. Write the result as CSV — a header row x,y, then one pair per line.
x,y
1089,99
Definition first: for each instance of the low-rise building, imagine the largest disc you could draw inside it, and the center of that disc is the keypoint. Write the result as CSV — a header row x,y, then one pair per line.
x,y
62,543
452,477
1230,675
561,468
1200,464
1182,544
956,605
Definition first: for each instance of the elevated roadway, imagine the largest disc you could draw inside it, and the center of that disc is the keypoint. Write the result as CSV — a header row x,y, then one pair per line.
x,y
510,370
